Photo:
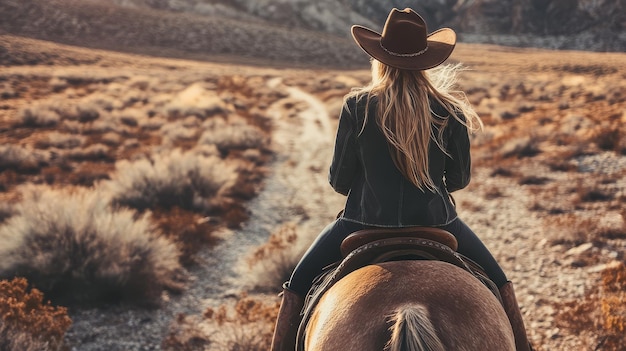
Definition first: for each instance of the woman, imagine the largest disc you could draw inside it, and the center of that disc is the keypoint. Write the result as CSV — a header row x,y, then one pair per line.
x,y
402,147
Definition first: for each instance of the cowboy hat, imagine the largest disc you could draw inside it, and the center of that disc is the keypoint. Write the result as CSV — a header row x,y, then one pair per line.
x,y
404,42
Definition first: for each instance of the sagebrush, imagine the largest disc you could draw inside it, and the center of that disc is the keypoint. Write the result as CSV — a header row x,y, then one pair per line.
x,y
72,244
190,180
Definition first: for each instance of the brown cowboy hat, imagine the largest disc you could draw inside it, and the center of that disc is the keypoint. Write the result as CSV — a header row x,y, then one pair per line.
x,y
405,42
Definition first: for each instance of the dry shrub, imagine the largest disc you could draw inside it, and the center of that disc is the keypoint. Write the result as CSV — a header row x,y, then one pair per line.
x,y
111,139
94,152
562,165
130,117
6,211
73,246
177,132
246,326
187,334
493,193
609,139
85,174
87,113
501,172
521,147
271,264
234,134
107,125
22,158
153,123
533,180
196,100
70,126
61,141
38,116
571,229
602,310
99,102
190,180
586,194
26,322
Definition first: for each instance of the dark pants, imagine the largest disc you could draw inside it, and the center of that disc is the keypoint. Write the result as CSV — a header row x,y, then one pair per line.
x,y
325,250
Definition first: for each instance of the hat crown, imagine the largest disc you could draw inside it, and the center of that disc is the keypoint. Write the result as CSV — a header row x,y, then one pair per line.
x,y
405,42
404,33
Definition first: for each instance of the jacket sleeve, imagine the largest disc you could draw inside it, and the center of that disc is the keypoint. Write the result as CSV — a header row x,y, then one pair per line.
x,y
345,163
458,164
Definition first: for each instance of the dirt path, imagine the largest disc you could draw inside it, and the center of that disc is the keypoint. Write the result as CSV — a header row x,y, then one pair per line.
x,y
305,141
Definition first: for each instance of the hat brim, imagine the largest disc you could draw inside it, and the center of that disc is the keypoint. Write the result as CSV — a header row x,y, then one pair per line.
x,y
440,46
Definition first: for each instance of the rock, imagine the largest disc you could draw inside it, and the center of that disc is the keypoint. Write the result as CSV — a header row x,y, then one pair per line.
x,y
578,250
602,267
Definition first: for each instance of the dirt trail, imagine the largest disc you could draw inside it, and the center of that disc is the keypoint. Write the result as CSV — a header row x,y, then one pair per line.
x,y
295,190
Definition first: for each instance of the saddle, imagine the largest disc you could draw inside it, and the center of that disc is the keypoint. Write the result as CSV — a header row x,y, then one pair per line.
x,y
372,246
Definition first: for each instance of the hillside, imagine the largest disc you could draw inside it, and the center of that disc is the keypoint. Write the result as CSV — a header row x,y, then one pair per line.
x,y
303,33
174,34
556,24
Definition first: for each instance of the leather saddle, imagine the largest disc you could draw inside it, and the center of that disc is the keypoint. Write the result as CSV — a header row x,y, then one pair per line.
x,y
373,246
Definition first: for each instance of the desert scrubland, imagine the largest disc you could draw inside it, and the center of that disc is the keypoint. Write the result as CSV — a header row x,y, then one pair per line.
x,y
160,203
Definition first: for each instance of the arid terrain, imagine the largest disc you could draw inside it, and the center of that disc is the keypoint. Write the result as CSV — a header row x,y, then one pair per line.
x,y
163,201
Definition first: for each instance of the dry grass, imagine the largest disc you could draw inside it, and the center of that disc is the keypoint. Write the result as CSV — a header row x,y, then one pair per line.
x,y
245,326
190,231
75,247
26,322
271,264
22,158
572,229
603,311
38,116
189,180
236,134
196,100
60,141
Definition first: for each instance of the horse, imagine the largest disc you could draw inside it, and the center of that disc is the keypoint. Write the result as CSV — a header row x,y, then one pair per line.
x,y
409,306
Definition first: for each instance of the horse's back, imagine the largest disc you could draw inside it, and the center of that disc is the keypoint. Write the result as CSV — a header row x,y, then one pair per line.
x,y
355,314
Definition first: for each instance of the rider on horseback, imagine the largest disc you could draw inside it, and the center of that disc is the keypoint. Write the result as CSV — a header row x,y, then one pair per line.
x,y
402,147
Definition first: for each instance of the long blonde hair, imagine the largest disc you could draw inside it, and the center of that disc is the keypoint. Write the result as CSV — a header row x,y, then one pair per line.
x,y
405,116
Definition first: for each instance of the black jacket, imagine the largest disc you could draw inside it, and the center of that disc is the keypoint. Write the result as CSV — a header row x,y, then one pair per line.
x,y
378,194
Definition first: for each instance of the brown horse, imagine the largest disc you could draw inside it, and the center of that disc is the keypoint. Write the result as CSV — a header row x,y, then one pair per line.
x,y
409,305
